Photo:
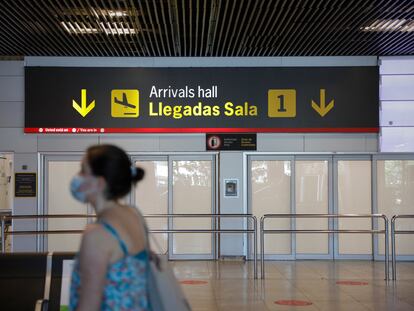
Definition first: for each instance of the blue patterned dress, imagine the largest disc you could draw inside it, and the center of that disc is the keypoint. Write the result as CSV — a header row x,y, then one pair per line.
x,y
126,281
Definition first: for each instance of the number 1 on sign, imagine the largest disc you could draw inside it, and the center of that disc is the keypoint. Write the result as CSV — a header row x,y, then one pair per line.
x,y
281,103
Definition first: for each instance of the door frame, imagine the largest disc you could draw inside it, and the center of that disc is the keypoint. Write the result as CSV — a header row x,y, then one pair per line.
x,y
379,225
293,157
329,159
42,206
248,158
176,156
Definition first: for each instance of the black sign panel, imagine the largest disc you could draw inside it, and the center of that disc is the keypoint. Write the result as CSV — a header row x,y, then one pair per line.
x,y
25,185
206,100
231,141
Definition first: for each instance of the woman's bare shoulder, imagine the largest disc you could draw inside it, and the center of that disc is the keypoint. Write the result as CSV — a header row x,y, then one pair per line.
x,y
94,233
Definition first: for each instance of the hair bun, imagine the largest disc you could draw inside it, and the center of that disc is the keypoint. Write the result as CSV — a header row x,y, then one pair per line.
x,y
138,174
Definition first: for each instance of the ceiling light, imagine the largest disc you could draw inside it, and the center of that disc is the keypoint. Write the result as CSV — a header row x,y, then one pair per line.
x,y
109,28
402,25
117,13
78,28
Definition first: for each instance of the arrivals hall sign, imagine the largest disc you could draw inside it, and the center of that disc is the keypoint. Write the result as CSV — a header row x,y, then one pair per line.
x,y
201,100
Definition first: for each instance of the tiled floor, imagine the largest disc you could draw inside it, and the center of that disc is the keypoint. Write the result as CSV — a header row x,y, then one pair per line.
x,y
230,286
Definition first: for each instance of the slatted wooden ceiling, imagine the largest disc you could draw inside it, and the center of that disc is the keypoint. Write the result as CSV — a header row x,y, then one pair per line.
x,y
206,27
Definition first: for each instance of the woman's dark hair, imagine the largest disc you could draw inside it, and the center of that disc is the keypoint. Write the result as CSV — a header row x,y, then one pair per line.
x,y
113,164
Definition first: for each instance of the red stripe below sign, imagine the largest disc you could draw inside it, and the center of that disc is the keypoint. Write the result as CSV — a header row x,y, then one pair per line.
x,y
200,130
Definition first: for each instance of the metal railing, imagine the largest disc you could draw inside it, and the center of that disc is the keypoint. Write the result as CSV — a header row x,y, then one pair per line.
x,y
393,233
247,216
212,216
4,218
264,231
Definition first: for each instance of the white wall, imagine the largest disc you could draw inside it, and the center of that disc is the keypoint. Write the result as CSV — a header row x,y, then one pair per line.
x,y
26,147
397,104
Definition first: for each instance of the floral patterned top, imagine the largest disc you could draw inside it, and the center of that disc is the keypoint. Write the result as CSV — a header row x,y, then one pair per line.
x,y
126,281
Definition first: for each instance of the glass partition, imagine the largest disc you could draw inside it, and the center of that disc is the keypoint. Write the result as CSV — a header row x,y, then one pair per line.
x,y
60,201
192,194
271,194
395,188
311,189
354,197
151,197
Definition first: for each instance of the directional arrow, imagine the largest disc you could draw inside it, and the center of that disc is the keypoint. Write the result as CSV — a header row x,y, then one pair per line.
x,y
83,109
323,109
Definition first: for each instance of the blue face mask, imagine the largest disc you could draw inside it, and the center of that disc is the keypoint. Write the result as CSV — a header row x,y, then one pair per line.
x,y
75,185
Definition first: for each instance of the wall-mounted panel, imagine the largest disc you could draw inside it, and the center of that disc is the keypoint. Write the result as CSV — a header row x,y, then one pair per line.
x,y
331,143
13,139
397,113
182,143
231,164
397,65
12,114
11,68
397,104
11,89
133,142
66,143
397,139
397,87
280,142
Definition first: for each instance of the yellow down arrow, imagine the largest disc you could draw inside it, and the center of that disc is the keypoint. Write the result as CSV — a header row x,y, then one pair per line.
x,y
83,109
322,109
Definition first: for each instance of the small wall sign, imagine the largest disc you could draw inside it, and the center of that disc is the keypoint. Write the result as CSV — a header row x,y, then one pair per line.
x,y
25,185
236,142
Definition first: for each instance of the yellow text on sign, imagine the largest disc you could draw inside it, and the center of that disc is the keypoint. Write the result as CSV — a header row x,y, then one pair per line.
x,y
281,103
124,103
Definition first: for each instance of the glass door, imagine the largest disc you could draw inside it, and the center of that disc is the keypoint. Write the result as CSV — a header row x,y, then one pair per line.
x,y
313,195
179,184
270,183
57,199
353,176
192,192
150,196
293,185
395,196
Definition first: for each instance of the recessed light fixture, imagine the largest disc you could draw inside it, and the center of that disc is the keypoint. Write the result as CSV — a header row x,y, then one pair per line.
x,y
117,13
109,28
390,25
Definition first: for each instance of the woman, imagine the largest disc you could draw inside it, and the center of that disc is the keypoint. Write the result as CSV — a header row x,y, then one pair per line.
x,y
110,271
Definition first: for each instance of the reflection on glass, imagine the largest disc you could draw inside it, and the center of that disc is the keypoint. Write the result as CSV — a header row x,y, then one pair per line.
x,y
192,173
270,184
260,170
192,194
396,196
